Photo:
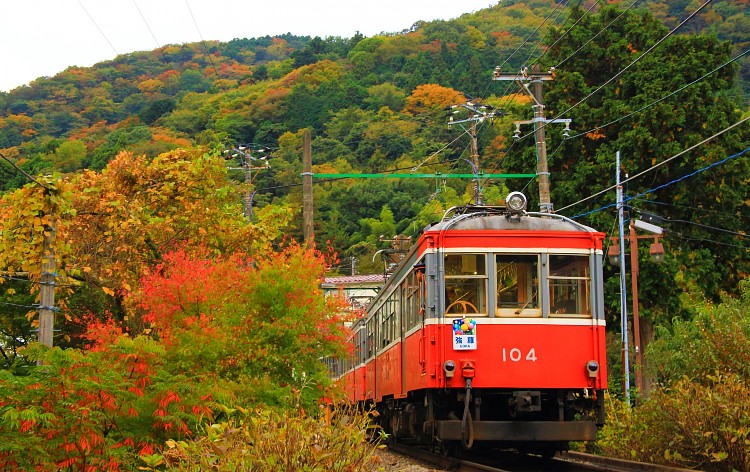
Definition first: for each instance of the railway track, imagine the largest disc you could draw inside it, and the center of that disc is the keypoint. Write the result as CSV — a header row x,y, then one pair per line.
x,y
503,461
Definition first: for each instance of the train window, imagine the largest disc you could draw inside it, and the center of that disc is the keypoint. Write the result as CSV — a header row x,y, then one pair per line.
x,y
569,285
370,337
517,285
465,284
389,319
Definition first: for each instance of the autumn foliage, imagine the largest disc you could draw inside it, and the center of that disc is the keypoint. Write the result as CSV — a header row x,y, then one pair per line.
x,y
221,333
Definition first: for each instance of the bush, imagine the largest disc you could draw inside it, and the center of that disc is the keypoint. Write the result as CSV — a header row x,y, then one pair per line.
x,y
267,440
717,338
706,427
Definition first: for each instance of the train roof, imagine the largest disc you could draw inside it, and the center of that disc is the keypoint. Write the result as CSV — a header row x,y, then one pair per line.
x,y
499,218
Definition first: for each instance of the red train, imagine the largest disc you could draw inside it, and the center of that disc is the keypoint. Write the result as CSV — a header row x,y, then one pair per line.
x,y
491,330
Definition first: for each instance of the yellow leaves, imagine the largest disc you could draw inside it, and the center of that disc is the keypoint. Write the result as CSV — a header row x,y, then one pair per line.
x,y
108,291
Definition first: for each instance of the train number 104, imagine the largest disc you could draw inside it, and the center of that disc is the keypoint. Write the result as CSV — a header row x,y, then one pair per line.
x,y
516,355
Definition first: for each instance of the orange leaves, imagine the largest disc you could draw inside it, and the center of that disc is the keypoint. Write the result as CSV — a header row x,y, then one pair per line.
x,y
430,97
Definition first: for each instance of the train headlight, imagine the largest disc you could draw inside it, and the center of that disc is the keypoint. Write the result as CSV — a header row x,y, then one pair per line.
x,y
592,367
516,201
449,367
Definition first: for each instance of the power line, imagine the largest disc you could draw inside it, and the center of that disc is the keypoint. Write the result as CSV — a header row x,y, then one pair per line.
x,y
663,98
661,163
203,42
646,53
146,23
596,35
691,208
660,186
97,27
671,220
24,172
703,240
571,28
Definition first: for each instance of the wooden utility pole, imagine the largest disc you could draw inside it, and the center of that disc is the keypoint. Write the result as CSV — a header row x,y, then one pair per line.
x,y
307,189
47,288
531,82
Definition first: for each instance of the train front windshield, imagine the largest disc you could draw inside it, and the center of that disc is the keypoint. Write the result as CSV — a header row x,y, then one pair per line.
x,y
511,284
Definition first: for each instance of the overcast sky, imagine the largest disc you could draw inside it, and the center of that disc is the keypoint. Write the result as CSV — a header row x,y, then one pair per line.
x,y
43,37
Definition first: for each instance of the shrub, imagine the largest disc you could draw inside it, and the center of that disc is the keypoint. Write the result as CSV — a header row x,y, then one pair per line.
x,y
268,440
693,425
717,338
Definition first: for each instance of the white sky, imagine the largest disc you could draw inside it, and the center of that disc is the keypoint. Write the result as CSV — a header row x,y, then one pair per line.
x,y
43,37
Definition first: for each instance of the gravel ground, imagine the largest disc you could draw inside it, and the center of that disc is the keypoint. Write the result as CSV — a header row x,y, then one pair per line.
x,y
391,462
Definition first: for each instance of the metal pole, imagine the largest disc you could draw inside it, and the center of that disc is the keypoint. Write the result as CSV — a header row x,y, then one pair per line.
x,y
634,270
623,289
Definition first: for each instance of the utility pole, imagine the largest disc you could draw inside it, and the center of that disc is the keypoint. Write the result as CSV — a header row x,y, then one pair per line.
x,y
246,160
532,84
477,113
307,189
47,284
623,286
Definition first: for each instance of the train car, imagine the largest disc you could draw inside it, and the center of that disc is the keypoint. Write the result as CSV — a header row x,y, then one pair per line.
x,y
490,331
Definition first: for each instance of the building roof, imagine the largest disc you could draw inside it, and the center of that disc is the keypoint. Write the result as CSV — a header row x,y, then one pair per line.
x,y
375,279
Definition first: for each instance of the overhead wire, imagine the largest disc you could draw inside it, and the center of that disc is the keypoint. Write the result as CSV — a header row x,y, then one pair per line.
x,y
655,102
703,169
146,23
730,127
714,228
203,42
536,45
691,208
97,27
562,36
645,107
32,179
559,65
635,61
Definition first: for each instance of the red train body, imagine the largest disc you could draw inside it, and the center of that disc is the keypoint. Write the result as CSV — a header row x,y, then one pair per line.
x,y
490,330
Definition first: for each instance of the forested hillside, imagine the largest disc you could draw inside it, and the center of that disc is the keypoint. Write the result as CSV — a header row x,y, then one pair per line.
x,y
376,105
135,165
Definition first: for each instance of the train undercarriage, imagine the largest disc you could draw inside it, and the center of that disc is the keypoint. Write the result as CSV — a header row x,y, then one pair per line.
x,y
539,421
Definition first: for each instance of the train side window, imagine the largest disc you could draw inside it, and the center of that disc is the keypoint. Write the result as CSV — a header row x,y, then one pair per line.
x,y
518,285
370,337
569,286
465,284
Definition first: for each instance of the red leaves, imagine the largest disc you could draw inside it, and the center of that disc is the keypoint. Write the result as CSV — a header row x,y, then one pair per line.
x,y
169,398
